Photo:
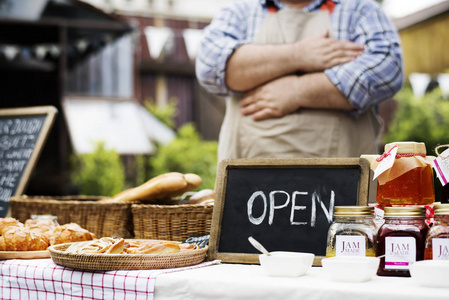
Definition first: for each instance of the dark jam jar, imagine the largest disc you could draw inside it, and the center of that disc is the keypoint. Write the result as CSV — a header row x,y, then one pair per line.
x,y
400,240
445,194
437,240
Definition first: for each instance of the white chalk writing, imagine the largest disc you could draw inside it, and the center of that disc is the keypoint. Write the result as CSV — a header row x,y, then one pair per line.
x,y
283,199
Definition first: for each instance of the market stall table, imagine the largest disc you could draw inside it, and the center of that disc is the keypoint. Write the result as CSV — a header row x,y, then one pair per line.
x,y
42,279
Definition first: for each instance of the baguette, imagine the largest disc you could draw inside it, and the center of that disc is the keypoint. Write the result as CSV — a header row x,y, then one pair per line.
x,y
193,181
164,186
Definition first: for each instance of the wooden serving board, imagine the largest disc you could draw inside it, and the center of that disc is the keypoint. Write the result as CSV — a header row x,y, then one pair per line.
x,y
24,254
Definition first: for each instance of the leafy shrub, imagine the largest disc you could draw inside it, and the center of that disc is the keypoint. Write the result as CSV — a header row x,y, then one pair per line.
x,y
422,119
188,153
98,173
164,113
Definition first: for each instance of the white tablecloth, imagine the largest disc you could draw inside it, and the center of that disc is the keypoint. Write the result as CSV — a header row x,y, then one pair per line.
x,y
42,279
246,282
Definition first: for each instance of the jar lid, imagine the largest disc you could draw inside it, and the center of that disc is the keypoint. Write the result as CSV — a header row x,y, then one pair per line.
x,y
442,209
407,211
407,147
353,210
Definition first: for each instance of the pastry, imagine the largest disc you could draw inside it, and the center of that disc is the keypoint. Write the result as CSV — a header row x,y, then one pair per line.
x,y
21,239
186,246
104,245
154,248
70,233
6,223
42,227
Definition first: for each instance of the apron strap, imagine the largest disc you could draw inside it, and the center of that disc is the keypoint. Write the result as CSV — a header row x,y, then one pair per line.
x,y
326,5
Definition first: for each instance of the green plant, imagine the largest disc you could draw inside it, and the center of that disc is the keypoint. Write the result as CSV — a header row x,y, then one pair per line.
x,y
140,169
164,113
188,153
422,119
98,173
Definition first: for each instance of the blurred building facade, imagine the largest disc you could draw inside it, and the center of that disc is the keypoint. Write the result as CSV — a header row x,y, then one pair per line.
x,y
42,41
166,37
425,43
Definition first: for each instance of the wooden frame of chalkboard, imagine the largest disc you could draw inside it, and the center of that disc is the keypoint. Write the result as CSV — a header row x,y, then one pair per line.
x,y
23,132
286,204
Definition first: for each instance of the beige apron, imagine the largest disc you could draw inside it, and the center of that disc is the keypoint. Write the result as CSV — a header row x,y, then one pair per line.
x,y
306,133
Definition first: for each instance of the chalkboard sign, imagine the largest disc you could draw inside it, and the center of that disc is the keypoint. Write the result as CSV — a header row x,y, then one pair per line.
x,y
285,204
23,132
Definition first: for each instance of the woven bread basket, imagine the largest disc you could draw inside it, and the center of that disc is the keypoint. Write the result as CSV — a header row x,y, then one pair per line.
x,y
171,222
108,262
103,219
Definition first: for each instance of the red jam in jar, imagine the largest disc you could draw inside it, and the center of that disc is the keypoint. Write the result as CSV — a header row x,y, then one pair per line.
x,y
410,179
400,240
437,240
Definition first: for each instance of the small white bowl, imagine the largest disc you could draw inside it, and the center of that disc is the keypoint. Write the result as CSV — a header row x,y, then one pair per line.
x,y
431,273
286,264
351,268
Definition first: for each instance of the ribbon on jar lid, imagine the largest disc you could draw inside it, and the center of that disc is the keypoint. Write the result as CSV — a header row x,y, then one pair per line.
x,y
398,155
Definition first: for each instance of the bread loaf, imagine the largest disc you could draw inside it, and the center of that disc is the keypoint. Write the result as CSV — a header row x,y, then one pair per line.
x,y
41,227
6,223
154,248
70,233
38,234
201,197
21,239
161,187
104,245
110,245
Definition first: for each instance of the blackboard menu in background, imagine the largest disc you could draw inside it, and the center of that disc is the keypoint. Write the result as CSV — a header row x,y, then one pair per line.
x,y
23,132
286,204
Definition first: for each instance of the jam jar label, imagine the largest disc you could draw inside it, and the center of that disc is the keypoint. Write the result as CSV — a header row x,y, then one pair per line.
x,y
441,166
350,245
399,252
387,162
440,249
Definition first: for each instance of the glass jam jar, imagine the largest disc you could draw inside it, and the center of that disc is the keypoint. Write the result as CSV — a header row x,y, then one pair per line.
x,y
353,232
445,194
400,240
437,240
410,180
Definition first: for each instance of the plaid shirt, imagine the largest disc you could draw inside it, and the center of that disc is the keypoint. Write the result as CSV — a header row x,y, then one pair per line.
x,y
373,77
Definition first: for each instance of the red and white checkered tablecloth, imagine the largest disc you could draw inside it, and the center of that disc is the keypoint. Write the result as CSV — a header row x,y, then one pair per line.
x,y
42,279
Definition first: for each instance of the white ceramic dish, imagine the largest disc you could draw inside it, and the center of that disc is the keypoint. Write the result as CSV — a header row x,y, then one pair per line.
x,y
350,268
286,264
431,273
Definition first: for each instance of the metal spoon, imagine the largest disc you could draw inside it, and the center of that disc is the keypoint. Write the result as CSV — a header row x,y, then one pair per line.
x,y
258,246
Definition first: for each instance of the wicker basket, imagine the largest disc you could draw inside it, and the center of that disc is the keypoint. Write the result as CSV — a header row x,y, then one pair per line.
x,y
103,219
171,222
106,262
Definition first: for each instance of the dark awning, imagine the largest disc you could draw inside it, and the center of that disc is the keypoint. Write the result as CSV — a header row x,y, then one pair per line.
x,y
37,28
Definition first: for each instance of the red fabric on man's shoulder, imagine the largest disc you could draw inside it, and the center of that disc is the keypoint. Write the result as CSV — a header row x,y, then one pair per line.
x,y
328,5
